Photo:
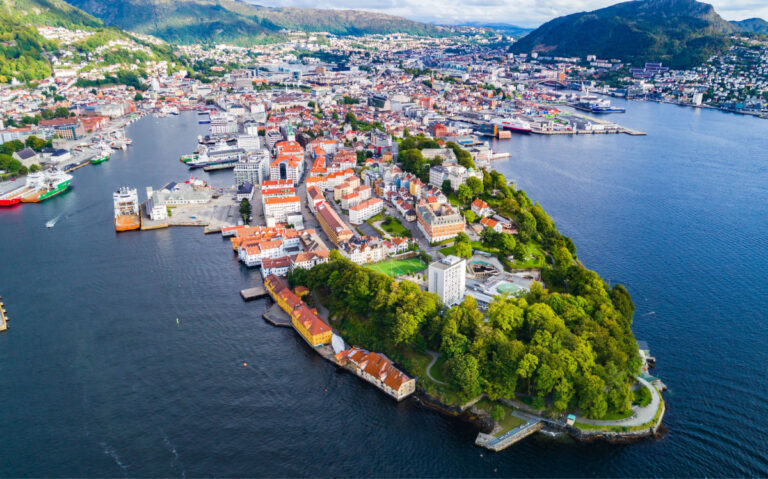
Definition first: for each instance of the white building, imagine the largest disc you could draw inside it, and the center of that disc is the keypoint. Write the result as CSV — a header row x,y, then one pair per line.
x,y
447,278
253,168
277,209
367,209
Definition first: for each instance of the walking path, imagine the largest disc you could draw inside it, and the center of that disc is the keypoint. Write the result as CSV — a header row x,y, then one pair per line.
x,y
641,416
435,357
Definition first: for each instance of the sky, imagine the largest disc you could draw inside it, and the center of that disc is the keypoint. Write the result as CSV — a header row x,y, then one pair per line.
x,y
526,13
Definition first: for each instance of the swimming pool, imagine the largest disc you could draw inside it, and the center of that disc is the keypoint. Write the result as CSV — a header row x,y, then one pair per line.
x,y
507,287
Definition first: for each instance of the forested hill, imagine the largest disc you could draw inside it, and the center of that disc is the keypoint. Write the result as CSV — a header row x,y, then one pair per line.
x,y
188,21
752,25
680,33
25,53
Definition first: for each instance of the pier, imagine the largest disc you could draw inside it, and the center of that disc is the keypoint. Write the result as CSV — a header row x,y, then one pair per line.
x,y
3,316
498,443
277,317
249,294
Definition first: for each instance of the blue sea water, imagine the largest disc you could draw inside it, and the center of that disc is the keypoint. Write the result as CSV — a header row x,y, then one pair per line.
x,y
98,379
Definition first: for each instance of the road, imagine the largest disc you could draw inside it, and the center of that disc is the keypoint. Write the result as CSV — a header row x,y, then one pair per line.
x,y
435,357
641,416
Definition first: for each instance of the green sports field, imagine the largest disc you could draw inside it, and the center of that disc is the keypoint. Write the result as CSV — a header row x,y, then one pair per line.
x,y
399,267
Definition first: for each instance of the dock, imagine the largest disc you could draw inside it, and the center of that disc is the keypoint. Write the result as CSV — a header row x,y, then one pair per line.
x,y
256,292
277,317
3,316
496,444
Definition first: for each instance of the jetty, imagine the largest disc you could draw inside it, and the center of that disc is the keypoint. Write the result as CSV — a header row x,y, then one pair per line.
x,y
3,316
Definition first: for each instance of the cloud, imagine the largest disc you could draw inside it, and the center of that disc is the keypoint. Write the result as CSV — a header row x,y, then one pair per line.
x,y
529,13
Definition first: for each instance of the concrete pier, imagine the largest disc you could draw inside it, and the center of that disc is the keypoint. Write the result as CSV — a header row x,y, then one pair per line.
x,y
505,440
256,292
277,317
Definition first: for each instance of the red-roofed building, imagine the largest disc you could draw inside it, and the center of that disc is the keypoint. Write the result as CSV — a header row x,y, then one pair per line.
x,y
378,370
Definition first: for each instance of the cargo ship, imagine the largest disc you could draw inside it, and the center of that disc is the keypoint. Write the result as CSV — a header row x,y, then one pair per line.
x,y
45,185
126,202
104,152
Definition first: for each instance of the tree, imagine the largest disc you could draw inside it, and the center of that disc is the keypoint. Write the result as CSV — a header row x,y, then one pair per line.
x,y
498,413
11,147
464,193
35,143
245,209
464,250
461,238
446,187
465,375
61,112
476,185
138,97
470,216
506,243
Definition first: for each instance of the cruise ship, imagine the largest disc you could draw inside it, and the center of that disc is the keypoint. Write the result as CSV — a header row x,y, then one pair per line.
x,y
126,202
44,185
514,124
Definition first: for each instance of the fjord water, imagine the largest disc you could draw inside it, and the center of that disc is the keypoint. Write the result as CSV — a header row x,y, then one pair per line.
x,y
98,379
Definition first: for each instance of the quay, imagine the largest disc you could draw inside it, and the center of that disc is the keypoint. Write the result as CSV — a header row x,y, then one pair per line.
x,y
3,316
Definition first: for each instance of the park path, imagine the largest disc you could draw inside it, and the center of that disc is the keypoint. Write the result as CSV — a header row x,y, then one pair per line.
x,y
435,357
641,416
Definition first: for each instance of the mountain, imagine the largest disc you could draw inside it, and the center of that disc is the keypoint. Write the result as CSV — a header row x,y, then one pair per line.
x,y
186,21
680,33
506,28
752,25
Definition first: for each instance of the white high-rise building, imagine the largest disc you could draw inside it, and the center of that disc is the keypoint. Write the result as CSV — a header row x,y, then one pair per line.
x,y
253,168
448,278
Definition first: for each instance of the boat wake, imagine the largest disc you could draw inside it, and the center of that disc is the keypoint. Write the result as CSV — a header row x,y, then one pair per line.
x,y
51,223
111,452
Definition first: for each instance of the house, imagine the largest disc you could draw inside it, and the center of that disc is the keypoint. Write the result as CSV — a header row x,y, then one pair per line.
x,y
27,157
245,192
492,224
481,208
379,370
333,226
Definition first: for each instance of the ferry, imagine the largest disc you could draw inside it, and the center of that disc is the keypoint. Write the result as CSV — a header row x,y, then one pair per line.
x,y
514,124
45,185
104,152
220,155
126,204
593,104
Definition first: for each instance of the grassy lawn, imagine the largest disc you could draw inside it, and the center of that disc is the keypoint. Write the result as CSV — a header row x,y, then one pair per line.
x,y
399,267
536,258
419,362
475,245
508,423
394,227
